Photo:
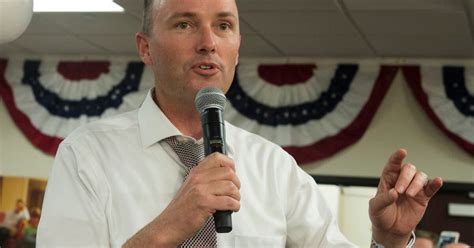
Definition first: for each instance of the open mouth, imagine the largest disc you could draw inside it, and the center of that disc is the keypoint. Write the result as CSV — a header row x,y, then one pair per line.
x,y
206,67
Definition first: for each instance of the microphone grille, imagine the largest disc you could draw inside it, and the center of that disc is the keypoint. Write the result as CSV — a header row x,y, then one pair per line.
x,y
210,97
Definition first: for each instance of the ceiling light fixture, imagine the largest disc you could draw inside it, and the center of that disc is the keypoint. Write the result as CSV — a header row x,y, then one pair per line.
x,y
76,6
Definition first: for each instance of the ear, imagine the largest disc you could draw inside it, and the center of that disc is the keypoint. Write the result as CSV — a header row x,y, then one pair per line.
x,y
237,58
143,47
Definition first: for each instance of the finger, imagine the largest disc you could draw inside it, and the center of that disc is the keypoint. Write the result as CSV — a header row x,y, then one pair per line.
x,y
224,188
207,175
378,204
417,184
433,186
405,178
223,203
398,156
215,196
216,160
226,174
395,161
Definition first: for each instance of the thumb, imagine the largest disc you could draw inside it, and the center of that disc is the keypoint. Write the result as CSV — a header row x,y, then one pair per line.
x,y
378,204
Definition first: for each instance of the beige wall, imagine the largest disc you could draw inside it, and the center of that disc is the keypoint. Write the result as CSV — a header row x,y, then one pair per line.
x,y
354,220
399,122
13,189
17,156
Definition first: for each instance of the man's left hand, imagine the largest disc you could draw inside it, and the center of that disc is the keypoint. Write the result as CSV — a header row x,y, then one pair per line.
x,y
401,200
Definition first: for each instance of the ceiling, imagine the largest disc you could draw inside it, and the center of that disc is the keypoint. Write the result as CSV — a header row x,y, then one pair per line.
x,y
279,28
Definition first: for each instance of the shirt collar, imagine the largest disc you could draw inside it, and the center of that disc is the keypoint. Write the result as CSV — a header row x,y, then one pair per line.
x,y
155,126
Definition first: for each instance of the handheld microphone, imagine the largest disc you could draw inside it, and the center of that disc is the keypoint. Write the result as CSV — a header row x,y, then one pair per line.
x,y
210,102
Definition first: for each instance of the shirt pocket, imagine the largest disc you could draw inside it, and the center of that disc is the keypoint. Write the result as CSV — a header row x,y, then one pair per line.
x,y
242,241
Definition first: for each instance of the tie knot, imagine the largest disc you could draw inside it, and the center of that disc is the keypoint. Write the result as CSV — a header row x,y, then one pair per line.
x,y
188,150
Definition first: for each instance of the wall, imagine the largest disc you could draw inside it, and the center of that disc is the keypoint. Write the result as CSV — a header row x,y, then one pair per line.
x,y
349,204
354,219
13,188
17,156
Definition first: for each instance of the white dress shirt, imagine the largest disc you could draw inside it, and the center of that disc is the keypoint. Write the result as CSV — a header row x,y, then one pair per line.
x,y
112,177
12,218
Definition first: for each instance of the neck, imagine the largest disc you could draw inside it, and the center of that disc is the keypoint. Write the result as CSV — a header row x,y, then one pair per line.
x,y
183,115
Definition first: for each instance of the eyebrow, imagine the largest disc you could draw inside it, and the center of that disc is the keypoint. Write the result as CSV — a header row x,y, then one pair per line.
x,y
182,14
193,15
226,14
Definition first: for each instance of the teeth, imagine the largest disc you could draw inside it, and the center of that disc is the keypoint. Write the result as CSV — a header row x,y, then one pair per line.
x,y
205,67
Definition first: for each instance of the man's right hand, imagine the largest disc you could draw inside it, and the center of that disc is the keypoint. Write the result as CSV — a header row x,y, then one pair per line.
x,y
212,185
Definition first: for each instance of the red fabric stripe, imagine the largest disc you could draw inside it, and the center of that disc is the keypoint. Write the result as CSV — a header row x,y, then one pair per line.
x,y
45,143
413,76
287,74
352,133
83,70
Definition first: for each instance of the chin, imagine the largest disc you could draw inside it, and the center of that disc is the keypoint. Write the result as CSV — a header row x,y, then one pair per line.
x,y
202,83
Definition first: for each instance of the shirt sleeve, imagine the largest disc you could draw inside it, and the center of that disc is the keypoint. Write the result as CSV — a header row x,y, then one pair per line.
x,y
310,223
73,212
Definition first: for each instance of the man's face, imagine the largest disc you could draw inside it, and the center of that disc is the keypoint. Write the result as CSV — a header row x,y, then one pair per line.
x,y
193,44
19,206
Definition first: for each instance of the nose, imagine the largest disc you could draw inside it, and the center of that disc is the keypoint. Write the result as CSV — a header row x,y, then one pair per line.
x,y
207,41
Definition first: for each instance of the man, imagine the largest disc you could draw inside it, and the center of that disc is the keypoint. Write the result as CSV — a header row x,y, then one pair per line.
x,y
121,180
8,227
425,239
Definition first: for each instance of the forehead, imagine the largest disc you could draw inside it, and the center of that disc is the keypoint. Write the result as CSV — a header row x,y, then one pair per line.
x,y
424,241
166,8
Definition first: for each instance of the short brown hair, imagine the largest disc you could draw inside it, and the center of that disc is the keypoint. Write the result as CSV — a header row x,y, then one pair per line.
x,y
427,235
147,16
36,212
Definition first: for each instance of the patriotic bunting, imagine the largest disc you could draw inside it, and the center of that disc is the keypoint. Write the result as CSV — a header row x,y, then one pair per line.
x,y
446,93
312,110
49,98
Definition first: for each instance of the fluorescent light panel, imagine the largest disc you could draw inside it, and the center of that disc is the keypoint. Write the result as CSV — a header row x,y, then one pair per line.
x,y
76,6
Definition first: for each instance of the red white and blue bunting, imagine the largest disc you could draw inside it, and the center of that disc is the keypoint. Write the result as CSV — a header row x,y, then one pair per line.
x,y
49,98
446,94
312,110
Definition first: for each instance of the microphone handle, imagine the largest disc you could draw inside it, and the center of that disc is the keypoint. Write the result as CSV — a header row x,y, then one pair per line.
x,y
222,219
214,141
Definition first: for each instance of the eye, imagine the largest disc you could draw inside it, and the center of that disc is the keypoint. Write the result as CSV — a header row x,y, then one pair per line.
x,y
183,25
224,26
